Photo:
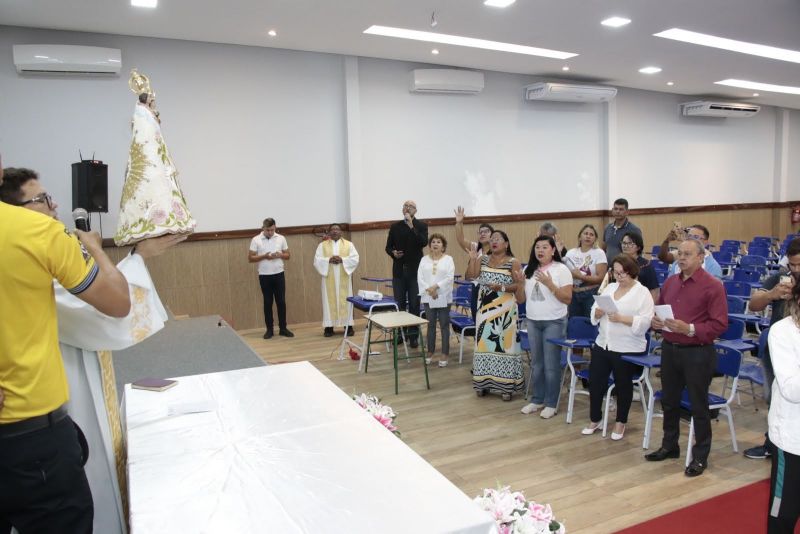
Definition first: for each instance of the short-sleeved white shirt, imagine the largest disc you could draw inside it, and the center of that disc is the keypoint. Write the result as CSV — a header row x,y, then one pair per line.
x,y
586,262
540,303
261,245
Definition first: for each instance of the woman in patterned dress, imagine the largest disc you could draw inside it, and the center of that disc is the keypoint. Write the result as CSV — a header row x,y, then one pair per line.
x,y
496,366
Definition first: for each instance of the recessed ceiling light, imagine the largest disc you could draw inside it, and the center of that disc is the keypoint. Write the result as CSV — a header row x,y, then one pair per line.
x,y
498,3
272,33
616,22
565,68
144,3
733,45
670,83
650,70
745,84
457,40
42,57
756,94
435,51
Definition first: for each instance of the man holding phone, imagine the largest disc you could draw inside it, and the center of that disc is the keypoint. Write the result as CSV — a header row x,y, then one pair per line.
x,y
776,290
696,232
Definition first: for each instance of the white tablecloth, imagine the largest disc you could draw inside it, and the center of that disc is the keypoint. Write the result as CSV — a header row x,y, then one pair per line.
x,y
282,450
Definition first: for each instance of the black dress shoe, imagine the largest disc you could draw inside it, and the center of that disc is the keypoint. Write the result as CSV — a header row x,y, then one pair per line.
x,y
662,454
285,332
268,334
350,331
328,331
695,468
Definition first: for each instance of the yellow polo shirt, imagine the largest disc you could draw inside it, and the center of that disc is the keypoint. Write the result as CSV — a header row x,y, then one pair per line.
x,y
34,249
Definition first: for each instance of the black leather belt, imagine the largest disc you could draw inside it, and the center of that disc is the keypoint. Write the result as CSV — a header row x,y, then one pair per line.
x,y
26,426
685,345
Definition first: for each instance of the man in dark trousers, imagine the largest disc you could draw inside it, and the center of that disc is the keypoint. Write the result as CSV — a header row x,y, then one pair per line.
x,y
404,244
688,356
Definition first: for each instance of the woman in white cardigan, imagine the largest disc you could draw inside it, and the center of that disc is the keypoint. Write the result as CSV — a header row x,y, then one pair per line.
x,y
784,420
435,280
620,333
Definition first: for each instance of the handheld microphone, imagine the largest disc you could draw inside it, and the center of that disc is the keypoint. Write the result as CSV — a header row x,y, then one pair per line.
x,y
81,218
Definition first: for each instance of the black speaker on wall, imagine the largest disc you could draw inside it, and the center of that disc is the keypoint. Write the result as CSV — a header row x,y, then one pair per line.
x,y
90,186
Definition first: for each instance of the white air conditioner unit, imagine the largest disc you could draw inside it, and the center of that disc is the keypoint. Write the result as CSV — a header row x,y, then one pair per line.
x,y
67,59
467,82
702,108
569,92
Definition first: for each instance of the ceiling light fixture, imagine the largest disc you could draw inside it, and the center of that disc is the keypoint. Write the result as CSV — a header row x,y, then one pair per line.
x,y
756,94
498,3
616,22
272,33
650,70
670,83
733,45
144,3
435,51
565,68
471,42
759,86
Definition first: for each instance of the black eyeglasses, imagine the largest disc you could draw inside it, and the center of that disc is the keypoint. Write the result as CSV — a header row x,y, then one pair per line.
x,y
44,198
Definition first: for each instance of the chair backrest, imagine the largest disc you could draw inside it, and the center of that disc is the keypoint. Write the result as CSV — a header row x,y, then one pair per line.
x,y
659,265
655,250
581,328
736,304
728,361
463,292
736,288
753,259
744,274
762,342
724,256
730,243
735,330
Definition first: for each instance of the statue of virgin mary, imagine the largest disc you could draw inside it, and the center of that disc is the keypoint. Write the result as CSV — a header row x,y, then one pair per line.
x,y
152,202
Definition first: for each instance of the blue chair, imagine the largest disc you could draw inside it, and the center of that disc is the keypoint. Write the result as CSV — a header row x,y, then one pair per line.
x,y
733,337
581,333
461,325
637,383
743,274
753,259
754,372
737,289
736,304
462,298
654,251
659,265
661,276
728,363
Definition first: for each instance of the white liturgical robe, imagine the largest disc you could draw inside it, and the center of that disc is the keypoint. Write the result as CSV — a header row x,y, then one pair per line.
x,y
337,283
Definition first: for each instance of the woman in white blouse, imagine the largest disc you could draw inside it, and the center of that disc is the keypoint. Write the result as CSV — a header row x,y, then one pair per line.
x,y
435,279
622,332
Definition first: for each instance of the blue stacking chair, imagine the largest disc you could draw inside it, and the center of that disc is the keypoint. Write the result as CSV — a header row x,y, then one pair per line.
x,y
662,276
753,259
461,298
654,251
728,363
736,304
637,382
581,333
733,337
744,274
737,289
461,325
753,372
659,265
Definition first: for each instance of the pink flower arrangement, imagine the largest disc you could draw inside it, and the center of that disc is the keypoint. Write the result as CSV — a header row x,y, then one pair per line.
x,y
381,412
514,514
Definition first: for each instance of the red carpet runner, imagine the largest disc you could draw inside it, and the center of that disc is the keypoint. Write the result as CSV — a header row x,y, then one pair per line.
x,y
741,511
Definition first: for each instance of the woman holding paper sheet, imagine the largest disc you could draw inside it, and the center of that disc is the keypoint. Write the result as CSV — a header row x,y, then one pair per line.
x,y
623,311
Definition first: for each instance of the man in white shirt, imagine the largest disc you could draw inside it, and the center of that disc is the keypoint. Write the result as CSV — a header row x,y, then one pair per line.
x,y
269,249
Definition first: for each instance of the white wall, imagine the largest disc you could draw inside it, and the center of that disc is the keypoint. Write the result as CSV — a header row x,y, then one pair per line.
x,y
260,132
665,159
254,132
492,153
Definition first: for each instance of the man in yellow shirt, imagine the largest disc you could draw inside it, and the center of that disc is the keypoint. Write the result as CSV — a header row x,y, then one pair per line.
x,y
42,483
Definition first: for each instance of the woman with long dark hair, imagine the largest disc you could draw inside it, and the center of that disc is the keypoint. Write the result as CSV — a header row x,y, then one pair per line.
x,y
496,366
548,292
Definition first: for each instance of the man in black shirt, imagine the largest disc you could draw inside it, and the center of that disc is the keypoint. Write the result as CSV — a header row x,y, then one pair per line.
x,y
776,290
404,244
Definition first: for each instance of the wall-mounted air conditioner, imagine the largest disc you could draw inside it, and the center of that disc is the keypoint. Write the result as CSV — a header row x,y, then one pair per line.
x,y
569,92
468,82
67,59
703,108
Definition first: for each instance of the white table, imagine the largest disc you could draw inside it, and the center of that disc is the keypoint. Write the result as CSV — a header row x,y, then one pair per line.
x,y
283,450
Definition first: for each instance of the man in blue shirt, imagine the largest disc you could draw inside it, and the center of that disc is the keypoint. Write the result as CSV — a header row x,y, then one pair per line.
x,y
698,232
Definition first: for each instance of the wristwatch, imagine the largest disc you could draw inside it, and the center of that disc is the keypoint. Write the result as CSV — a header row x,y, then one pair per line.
x,y
691,330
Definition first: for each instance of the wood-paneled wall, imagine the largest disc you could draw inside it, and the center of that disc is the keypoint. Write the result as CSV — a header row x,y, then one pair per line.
x,y
214,276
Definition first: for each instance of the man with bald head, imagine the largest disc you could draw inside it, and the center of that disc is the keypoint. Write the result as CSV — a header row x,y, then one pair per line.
x,y
404,244
688,356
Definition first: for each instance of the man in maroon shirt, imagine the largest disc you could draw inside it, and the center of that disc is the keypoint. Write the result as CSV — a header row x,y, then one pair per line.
x,y
688,357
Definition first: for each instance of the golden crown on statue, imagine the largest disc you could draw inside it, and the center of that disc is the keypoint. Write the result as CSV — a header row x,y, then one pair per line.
x,y
139,83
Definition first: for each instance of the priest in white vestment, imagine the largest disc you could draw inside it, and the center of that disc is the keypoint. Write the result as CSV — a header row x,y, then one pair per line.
x,y
335,259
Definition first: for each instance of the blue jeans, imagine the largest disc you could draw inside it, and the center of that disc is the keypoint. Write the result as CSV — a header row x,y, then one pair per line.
x,y
546,360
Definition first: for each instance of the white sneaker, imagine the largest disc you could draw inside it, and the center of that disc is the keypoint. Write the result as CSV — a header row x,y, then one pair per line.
x,y
547,413
530,408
